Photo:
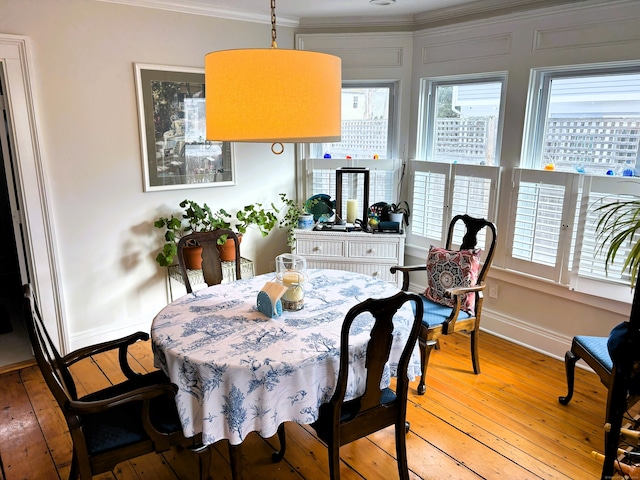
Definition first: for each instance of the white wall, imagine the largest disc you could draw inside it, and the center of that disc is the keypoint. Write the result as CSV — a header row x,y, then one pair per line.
x,y
82,57
537,314
542,316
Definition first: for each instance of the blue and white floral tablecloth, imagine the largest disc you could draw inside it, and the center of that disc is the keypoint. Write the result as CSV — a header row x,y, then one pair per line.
x,y
239,371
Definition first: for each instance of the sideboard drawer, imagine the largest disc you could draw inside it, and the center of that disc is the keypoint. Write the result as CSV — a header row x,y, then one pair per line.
x,y
374,250
320,248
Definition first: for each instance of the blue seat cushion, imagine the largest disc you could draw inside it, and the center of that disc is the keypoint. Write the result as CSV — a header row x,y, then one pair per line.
x,y
122,426
436,314
597,347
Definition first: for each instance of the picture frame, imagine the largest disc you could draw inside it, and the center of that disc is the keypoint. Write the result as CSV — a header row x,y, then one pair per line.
x,y
175,152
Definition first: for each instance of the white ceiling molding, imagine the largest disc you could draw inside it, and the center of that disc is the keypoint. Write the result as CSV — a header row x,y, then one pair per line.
x,y
198,8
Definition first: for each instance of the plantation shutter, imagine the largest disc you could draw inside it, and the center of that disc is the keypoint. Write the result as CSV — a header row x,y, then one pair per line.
x,y
541,222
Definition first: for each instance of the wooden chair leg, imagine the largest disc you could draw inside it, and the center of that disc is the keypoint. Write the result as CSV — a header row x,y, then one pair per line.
x,y
401,452
204,462
282,438
425,352
570,365
235,457
475,359
334,461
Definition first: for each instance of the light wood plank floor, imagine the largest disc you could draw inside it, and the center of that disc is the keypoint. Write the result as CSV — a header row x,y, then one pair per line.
x,y
503,424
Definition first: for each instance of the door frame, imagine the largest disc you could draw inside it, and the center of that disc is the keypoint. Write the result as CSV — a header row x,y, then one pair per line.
x,y
34,210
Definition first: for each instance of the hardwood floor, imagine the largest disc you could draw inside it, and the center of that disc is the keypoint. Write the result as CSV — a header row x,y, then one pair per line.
x,y
505,423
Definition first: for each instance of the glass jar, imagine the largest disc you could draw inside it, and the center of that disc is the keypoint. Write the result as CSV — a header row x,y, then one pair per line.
x,y
291,271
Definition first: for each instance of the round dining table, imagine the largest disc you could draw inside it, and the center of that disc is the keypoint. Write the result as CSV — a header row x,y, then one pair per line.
x,y
240,371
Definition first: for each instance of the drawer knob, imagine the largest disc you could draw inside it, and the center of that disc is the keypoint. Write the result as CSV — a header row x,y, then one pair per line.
x,y
317,249
371,251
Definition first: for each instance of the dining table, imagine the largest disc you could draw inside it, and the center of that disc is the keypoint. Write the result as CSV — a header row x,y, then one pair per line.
x,y
240,371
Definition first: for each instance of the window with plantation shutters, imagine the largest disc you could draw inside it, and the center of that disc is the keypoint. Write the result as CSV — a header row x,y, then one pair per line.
x,y
552,231
588,271
443,190
541,220
368,132
384,177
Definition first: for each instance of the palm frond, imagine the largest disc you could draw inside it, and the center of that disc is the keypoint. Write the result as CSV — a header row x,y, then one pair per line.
x,y
618,226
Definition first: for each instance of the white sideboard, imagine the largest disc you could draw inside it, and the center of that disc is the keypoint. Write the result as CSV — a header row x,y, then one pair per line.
x,y
369,253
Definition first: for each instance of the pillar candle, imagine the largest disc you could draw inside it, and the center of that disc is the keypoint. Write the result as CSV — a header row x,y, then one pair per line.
x,y
352,210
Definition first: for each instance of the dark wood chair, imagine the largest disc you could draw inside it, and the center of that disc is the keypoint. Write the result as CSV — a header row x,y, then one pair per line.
x,y
340,422
593,351
442,319
115,424
616,361
211,263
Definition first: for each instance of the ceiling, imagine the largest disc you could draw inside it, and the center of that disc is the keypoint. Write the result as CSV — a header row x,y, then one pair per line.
x,y
350,12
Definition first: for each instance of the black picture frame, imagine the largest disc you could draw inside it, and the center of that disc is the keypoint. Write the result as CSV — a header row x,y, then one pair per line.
x,y
175,152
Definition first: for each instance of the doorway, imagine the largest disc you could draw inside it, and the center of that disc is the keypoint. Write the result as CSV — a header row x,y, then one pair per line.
x,y
15,347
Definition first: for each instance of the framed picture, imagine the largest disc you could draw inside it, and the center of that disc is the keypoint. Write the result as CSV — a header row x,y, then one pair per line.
x,y
175,152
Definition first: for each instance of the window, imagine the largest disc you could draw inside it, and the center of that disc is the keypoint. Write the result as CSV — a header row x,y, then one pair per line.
x,y
368,130
584,120
552,230
580,149
368,117
458,135
444,190
462,119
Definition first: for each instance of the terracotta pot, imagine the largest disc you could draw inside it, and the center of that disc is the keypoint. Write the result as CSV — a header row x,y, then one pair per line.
x,y
193,257
228,251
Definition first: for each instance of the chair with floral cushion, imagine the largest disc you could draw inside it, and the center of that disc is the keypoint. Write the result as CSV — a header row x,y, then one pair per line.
x,y
455,282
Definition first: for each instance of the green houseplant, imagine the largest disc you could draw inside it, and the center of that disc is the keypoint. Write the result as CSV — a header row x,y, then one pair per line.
x,y
200,218
619,223
195,218
401,208
291,217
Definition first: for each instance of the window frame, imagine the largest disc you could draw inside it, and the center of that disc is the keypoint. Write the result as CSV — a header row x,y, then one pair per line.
x,y
427,107
538,102
393,121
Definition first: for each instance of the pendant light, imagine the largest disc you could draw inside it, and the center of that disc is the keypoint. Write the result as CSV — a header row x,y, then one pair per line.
x,y
273,95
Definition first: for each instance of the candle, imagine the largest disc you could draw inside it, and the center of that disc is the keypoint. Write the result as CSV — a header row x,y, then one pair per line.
x,y
352,210
294,281
291,278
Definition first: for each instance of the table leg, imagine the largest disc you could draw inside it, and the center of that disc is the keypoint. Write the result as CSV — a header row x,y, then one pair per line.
x,y
235,458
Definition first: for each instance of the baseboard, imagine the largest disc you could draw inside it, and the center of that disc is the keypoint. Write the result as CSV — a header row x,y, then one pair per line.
x,y
527,335
104,334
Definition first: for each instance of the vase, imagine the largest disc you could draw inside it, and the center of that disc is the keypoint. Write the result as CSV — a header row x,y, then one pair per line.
x,y
305,222
228,250
192,257
397,217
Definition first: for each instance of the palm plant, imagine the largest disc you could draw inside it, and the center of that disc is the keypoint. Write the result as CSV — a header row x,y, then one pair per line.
x,y
619,223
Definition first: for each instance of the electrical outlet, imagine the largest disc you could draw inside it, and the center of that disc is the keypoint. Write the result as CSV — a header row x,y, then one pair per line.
x,y
493,290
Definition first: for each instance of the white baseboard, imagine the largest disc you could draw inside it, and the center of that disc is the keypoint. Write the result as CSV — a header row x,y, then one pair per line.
x,y
527,335
104,334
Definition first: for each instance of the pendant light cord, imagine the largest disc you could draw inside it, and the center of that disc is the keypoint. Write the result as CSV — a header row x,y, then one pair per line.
x,y
273,24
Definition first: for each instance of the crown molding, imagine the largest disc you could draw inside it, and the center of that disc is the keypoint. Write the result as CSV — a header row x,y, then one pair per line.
x,y
198,8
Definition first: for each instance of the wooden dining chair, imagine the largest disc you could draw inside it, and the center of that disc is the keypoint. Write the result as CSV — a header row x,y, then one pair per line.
x,y
211,263
340,422
593,351
115,424
453,298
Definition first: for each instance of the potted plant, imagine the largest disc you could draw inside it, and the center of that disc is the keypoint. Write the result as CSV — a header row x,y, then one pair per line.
x,y
400,212
255,214
618,223
195,218
292,217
